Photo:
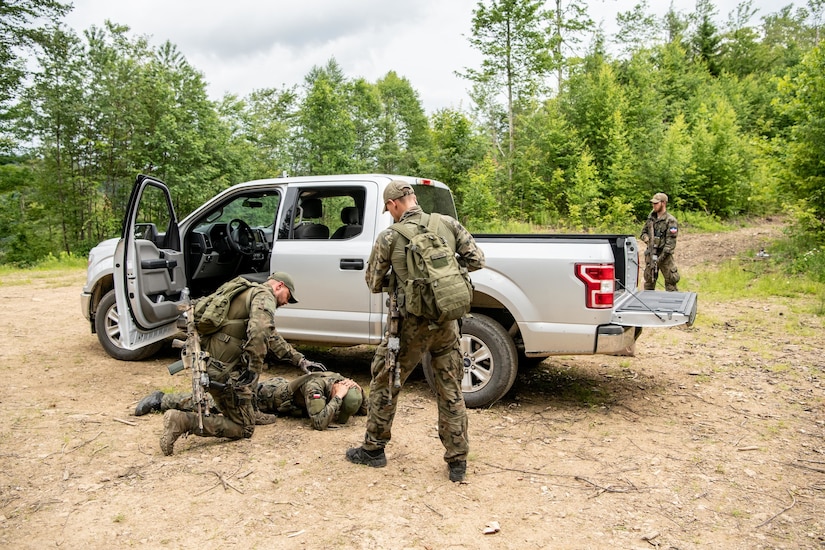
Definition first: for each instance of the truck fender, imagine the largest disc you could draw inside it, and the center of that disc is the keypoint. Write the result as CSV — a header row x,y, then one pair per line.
x,y
490,361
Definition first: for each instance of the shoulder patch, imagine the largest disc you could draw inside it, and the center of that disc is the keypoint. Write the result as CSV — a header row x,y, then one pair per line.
x,y
673,230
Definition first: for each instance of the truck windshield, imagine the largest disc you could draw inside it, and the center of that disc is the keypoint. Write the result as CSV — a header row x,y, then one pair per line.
x,y
435,199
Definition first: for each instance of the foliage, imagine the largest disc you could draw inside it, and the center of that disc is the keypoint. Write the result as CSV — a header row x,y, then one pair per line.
x,y
802,101
20,33
726,118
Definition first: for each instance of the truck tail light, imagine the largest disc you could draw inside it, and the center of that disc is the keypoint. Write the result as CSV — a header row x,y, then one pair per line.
x,y
599,284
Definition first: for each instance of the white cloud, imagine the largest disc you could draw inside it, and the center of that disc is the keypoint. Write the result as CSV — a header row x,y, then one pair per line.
x,y
243,45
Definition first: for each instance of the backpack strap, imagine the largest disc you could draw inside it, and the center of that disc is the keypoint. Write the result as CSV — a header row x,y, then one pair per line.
x,y
432,225
405,229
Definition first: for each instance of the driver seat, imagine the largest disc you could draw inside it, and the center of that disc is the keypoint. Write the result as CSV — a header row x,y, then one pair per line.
x,y
311,208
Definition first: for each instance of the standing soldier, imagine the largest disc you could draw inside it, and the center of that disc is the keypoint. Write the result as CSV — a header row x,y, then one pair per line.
x,y
417,335
659,233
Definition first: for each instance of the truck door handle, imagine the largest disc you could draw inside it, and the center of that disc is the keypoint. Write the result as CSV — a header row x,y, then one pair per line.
x,y
158,263
354,264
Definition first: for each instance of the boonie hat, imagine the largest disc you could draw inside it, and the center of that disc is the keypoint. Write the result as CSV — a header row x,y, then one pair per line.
x,y
349,405
395,190
287,280
659,197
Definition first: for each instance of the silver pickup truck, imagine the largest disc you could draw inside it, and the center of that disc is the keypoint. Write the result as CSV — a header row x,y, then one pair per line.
x,y
539,295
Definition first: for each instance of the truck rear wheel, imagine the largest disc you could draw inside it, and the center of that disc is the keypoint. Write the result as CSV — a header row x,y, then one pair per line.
x,y
108,332
490,361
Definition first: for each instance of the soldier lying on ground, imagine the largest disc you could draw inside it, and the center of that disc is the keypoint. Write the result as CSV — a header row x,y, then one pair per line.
x,y
324,397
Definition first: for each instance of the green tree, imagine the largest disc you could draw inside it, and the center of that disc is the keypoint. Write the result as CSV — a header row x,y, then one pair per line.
x,y
479,204
716,178
365,109
705,41
802,101
638,29
265,122
549,150
456,148
741,52
55,109
325,137
512,36
22,28
569,21
402,126
583,194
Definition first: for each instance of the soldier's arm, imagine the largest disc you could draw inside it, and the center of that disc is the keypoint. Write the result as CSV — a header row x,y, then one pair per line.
x,y
671,233
315,397
262,335
465,246
379,263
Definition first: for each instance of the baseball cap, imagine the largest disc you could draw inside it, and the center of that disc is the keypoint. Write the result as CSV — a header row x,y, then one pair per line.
x,y
659,197
287,280
395,190
349,405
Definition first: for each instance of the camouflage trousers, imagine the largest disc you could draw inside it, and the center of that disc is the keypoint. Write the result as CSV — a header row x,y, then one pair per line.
x,y
417,337
668,270
235,401
274,397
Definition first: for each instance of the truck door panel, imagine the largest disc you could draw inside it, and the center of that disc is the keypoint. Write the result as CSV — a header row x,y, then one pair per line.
x,y
338,308
150,271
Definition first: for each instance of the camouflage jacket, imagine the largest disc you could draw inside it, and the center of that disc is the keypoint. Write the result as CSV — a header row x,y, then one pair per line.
x,y
665,231
381,258
249,343
274,397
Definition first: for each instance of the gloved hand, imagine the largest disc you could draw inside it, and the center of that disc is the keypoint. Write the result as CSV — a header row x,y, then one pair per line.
x,y
308,366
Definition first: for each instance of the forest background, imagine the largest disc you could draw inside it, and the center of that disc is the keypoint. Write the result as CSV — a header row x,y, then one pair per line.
x,y
568,130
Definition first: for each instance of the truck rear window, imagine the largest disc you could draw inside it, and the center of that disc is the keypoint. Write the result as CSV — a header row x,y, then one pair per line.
x,y
435,199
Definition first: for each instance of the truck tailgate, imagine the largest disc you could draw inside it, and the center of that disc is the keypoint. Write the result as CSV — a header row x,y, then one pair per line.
x,y
652,308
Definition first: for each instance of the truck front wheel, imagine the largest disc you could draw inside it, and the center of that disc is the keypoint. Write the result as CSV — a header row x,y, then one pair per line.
x,y
108,332
490,361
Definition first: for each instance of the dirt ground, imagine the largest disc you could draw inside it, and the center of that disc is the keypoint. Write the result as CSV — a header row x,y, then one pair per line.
x,y
711,437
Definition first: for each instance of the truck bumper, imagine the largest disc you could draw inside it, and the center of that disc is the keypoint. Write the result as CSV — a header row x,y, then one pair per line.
x,y
615,340
85,302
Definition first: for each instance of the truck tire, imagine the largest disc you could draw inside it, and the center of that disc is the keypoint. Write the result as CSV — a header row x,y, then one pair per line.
x,y
108,332
490,361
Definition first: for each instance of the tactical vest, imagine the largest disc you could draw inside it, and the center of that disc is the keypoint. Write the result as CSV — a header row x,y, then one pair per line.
x,y
226,345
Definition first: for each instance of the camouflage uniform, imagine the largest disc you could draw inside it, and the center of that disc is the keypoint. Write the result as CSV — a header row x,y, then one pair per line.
x,y
238,351
275,398
417,336
665,230
309,395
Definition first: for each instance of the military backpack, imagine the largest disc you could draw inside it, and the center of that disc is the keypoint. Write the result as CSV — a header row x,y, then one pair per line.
x,y
211,311
437,287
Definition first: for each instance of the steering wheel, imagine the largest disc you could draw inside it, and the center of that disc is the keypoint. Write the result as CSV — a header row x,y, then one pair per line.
x,y
240,237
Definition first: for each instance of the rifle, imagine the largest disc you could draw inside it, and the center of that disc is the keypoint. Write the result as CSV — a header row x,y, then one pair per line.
x,y
654,258
193,358
393,345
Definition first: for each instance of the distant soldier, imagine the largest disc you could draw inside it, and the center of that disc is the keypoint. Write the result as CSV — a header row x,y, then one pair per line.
x,y
659,233
324,397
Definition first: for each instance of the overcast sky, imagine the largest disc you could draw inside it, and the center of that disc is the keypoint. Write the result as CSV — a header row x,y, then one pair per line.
x,y
243,45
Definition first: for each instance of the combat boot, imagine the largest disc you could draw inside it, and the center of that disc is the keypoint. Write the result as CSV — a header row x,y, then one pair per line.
x,y
373,459
149,403
175,424
458,470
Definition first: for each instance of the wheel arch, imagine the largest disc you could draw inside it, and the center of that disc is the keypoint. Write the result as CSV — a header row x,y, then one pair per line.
x,y
102,287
